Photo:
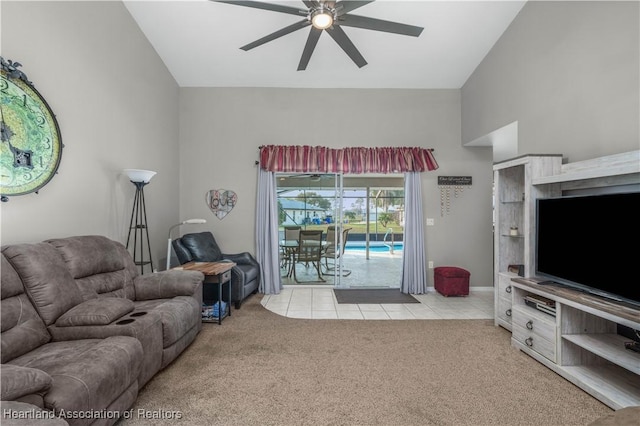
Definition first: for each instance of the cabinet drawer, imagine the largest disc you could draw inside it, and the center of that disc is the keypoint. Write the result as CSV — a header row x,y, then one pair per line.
x,y
543,346
504,286
221,278
532,329
504,309
504,290
535,322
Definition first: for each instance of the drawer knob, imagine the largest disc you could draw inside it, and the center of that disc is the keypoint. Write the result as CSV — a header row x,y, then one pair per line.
x,y
508,312
508,289
529,341
530,325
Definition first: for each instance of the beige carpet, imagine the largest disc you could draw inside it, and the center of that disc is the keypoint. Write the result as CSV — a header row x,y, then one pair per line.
x,y
259,368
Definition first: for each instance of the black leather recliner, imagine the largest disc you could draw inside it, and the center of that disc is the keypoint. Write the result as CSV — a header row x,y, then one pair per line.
x,y
202,247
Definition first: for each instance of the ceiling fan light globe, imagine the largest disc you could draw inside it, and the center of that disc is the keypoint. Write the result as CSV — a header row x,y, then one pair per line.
x,y
321,20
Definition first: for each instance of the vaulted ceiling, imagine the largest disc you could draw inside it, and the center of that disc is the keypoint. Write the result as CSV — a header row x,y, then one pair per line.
x,y
200,40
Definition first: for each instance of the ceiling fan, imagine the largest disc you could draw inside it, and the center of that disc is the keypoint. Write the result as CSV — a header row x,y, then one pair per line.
x,y
329,16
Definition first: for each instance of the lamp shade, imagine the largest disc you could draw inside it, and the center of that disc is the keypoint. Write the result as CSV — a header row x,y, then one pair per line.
x,y
137,175
193,221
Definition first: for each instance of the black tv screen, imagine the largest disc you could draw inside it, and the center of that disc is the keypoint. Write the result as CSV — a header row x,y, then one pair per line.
x,y
591,243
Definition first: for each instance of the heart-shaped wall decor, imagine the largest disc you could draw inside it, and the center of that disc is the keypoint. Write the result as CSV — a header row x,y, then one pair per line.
x,y
221,201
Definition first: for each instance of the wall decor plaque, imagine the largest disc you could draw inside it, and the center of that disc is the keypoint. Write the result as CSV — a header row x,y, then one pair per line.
x,y
449,184
455,180
221,201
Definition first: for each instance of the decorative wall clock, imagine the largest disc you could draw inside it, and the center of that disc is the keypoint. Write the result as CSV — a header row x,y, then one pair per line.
x,y
31,145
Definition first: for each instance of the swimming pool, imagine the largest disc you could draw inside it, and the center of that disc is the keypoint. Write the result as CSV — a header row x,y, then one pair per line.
x,y
374,246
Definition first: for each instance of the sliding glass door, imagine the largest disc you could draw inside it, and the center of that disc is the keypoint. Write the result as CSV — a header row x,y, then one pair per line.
x,y
362,221
310,202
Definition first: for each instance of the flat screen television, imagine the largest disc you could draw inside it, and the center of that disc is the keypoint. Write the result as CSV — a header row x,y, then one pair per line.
x,y
591,243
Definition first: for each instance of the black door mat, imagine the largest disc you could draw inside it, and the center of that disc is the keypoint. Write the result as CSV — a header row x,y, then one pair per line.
x,y
377,295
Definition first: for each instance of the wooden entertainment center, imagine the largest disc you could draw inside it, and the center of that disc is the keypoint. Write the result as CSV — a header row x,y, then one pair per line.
x,y
579,341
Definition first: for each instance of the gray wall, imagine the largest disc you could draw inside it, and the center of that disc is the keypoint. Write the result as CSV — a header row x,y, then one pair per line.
x,y
221,130
568,73
117,106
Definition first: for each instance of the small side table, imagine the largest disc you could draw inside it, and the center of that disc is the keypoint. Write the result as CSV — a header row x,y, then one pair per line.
x,y
218,273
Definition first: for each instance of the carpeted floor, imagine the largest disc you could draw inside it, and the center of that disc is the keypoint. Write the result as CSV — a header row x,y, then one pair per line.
x,y
373,295
259,368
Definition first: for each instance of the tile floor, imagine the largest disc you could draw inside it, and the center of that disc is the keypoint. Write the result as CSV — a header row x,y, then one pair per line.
x,y
380,270
319,301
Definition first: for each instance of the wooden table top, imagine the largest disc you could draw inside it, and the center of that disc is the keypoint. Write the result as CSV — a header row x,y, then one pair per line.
x,y
208,268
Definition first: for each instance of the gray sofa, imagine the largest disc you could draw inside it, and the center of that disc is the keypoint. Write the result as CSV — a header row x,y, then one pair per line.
x,y
82,331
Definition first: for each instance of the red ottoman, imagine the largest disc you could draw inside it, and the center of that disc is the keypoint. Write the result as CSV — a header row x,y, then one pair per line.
x,y
451,281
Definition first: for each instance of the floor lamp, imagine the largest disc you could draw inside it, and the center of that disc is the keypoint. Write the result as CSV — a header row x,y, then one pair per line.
x,y
184,222
138,222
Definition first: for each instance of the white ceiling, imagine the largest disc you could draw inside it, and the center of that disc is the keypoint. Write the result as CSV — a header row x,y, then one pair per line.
x,y
199,41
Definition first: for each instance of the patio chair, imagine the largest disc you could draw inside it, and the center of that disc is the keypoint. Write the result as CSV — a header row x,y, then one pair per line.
x,y
291,233
309,251
333,251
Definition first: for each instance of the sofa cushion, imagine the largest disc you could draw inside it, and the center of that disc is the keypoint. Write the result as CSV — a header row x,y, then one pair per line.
x,y
47,281
88,375
101,311
11,282
80,255
19,381
110,273
22,329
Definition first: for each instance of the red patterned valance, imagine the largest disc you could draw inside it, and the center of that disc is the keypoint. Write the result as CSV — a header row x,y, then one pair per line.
x,y
318,159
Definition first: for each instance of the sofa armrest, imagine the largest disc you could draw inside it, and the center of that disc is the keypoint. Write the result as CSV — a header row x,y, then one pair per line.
x,y
244,258
167,284
19,381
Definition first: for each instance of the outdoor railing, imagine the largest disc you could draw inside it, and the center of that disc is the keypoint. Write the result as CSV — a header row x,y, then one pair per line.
x,y
384,240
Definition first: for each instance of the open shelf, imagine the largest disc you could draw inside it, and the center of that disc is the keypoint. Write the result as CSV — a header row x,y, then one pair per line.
x,y
589,352
608,346
611,384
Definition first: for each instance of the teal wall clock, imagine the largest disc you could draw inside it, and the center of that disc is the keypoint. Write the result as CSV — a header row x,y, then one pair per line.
x,y
31,144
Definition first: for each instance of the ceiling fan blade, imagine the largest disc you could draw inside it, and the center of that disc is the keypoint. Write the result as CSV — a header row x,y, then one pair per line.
x,y
284,31
266,6
379,25
312,40
347,6
347,45
311,3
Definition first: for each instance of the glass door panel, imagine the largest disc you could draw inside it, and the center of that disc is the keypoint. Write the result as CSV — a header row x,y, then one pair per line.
x,y
309,202
362,219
